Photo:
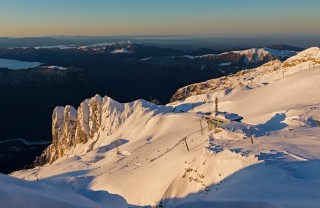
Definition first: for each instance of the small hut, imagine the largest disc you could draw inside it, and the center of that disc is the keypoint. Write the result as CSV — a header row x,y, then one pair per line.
x,y
222,118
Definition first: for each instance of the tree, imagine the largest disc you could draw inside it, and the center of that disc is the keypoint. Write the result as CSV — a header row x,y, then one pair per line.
x,y
155,101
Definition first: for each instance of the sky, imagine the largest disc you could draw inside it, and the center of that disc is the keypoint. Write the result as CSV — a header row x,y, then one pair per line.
x,y
214,18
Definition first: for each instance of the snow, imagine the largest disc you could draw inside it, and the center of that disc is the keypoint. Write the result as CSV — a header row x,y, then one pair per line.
x,y
122,50
252,53
173,159
56,46
99,47
101,44
310,55
267,186
195,57
228,116
198,175
248,79
225,64
17,193
57,67
262,52
122,47
281,53
146,59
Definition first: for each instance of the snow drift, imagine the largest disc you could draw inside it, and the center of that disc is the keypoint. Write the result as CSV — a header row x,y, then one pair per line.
x,y
23,194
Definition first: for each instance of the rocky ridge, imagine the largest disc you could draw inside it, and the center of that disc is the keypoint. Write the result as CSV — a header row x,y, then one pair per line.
x,y
71,127
262,75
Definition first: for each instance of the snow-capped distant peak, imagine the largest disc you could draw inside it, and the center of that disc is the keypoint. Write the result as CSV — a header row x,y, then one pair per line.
x,y
123,51
255,54
262,52
57,46
280,53
57,67
195,57
123,47
146,59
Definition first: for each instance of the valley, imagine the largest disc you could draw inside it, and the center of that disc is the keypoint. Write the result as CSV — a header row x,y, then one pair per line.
x,y
167,156
123,70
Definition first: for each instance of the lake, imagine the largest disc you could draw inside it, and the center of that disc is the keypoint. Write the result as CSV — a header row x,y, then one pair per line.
x,y
16,64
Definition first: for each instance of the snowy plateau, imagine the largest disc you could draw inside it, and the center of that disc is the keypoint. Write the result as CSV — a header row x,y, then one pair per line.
x,y
138,154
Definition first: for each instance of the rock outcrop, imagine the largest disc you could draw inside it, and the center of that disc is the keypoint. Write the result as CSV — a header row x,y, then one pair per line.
x,y
240,79
311,55
71,127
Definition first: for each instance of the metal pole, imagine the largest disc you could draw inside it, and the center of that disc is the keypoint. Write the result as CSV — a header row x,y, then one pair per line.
x,y
185,140
251,135
201,129
117,146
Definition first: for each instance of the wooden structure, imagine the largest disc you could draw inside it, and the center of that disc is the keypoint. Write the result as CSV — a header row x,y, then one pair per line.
x,y
221,119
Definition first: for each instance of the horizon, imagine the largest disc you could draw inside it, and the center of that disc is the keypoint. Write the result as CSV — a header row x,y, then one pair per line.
x,y
213,18
179,42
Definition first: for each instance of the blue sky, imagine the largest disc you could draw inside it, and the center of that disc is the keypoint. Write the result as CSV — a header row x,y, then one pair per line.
x,y
159,17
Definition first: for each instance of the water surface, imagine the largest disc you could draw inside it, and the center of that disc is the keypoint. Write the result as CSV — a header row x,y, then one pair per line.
x,y
16,64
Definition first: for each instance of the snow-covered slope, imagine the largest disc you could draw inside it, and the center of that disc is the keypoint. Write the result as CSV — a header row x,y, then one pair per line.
x,y
262,75
151,155
261,53
310,55
16,193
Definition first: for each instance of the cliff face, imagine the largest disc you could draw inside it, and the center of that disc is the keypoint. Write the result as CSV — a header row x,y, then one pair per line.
x,y
63,128
71,127
64,125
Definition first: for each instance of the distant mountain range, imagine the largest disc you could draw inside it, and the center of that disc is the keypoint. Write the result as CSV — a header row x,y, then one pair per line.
x,y
178,42
31,42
